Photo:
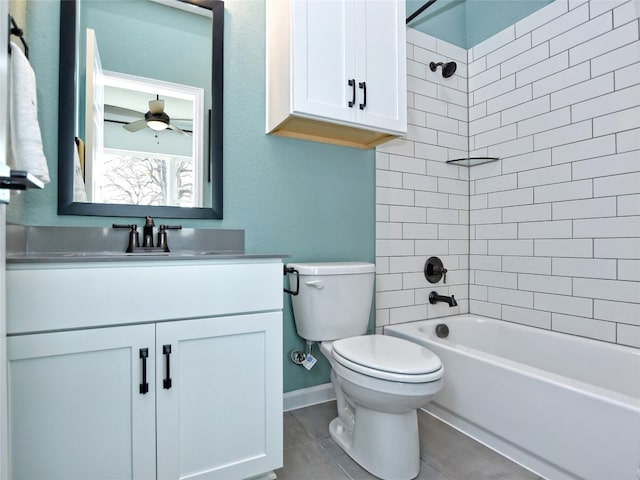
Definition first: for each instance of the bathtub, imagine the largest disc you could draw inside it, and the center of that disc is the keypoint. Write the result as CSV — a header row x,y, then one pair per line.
x,y
564,407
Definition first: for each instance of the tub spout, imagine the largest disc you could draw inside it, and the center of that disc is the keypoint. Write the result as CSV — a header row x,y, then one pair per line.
x,y
435,298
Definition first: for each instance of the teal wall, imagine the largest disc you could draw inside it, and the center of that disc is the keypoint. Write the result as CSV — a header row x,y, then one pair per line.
x,y
444,19
308,200
485,18
468,22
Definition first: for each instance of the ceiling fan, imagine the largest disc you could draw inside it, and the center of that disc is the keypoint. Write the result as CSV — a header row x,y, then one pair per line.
x,y
156,118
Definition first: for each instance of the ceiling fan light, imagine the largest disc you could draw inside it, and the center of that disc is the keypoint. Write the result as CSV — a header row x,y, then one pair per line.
x,y
157,121
157,125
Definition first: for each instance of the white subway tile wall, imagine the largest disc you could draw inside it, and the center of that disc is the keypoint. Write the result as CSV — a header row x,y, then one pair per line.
x,y
575,194
548,236
423,202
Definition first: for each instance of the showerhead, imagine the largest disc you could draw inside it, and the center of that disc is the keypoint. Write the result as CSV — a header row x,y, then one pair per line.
x,y
448,69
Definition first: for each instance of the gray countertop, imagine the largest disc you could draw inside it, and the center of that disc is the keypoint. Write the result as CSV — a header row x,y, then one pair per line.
x,y
71,257
34,244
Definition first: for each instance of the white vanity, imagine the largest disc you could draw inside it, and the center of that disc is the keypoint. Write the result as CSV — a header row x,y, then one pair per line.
x,y
145,368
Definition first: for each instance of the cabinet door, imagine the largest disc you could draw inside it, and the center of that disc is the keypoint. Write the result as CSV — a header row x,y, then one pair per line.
x,y
221,418
323,59
76,407
381,64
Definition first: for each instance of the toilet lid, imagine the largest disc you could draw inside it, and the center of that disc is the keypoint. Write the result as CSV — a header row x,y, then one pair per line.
x,y
388,358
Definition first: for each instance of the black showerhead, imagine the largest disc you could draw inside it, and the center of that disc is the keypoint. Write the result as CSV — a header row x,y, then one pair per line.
x,y
448,69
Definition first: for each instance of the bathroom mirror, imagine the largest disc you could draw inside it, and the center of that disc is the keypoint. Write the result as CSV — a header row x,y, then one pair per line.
x,y
143,41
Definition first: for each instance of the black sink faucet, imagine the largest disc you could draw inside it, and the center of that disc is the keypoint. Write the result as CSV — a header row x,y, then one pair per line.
x,y
147,237
435,298
147,232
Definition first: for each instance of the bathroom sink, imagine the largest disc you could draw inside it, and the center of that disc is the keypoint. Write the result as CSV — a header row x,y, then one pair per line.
x,y
104,244
75,254
157,253
106,256
205,253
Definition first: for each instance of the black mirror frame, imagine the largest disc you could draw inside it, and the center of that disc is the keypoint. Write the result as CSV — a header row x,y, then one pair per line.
x,y
66,126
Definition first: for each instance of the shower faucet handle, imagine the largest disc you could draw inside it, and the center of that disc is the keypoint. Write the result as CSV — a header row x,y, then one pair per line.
x,y
434,270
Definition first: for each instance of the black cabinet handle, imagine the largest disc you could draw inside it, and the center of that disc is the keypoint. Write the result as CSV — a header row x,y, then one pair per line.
x,y
363,86
352,84
144,386
166,350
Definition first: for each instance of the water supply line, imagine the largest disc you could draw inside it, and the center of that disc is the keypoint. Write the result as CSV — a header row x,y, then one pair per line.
x,y
299,357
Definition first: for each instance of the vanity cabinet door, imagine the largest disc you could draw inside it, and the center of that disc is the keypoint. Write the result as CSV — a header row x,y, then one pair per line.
x,y
221,415
76,407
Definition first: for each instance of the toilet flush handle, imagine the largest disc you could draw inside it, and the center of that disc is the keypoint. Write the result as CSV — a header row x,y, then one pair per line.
x,y
315,283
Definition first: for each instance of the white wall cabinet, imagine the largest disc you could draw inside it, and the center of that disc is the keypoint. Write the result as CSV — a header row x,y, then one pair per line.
x,y
336,71
205,402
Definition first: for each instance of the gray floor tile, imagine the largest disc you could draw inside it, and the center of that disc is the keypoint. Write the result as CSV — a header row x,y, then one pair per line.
x,y
459,457
315,419
344,461
427,472
304,454
294,431
324,469
310,453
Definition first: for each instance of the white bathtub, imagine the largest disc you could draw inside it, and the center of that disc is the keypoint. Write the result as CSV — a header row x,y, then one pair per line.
x,y
565,407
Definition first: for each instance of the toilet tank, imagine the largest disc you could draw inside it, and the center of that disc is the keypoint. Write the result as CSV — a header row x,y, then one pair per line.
x,y
334,300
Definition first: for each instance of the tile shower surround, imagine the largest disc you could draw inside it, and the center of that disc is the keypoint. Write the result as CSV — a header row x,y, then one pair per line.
x,y
549,236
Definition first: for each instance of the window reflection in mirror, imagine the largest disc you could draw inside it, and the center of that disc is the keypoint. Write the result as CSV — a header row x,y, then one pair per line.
x,y
148,149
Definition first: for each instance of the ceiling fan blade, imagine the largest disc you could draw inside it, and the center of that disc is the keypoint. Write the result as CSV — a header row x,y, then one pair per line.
x,y
135,126
179,130
183,124
156,106
115,110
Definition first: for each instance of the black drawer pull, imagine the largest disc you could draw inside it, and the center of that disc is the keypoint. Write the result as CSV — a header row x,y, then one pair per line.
x,y
166,383
144,386
363,86
352,84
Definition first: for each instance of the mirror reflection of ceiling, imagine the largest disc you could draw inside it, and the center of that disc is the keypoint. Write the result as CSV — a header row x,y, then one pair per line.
x,y
148,39
147,140
466,23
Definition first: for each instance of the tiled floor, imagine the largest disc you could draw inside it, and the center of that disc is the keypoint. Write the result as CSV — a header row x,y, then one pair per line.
x,y
310,453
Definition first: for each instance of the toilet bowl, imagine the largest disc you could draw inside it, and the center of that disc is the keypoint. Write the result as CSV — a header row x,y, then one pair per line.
x,y
379,385
379,381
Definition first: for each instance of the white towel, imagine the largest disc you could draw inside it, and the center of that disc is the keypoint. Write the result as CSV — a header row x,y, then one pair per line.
x,y
25,149
79,191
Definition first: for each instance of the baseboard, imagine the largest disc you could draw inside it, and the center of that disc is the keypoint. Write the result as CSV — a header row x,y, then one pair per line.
x,y
308,396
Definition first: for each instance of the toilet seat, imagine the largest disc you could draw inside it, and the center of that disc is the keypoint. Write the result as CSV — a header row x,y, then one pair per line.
x,y
387,358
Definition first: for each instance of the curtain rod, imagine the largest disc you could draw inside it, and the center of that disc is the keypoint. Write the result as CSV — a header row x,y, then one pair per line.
x,y
420,10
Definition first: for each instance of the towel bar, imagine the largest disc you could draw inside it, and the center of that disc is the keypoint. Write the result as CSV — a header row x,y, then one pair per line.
x,y
14,29
20,180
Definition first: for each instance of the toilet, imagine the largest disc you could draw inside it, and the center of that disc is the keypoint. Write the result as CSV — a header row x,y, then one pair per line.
x,y
379,381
